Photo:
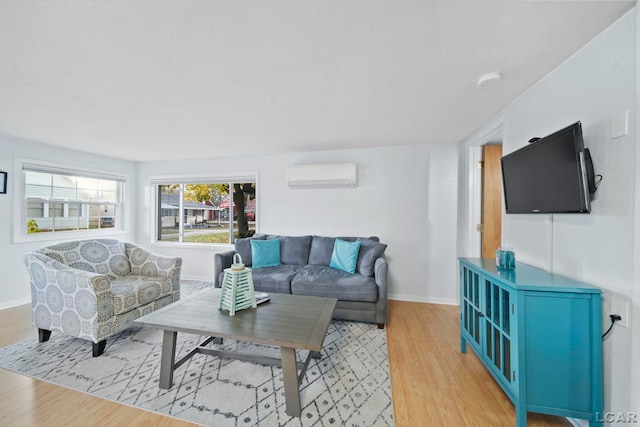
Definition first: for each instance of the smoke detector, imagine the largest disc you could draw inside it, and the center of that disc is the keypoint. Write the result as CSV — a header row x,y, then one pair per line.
x,y
489,79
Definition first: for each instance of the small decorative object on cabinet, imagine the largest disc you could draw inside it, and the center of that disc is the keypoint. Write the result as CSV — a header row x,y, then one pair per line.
x,y
538,334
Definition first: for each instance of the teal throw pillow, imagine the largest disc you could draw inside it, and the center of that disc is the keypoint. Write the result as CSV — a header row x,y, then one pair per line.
x,y
345,255
265,253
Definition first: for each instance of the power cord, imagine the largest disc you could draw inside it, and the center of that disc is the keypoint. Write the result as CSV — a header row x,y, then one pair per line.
x,y
598,180
614,318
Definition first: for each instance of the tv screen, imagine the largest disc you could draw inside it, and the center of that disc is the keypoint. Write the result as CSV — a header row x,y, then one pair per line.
x,y
549,175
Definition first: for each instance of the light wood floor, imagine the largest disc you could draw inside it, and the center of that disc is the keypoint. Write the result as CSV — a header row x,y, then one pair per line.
x,y
433,384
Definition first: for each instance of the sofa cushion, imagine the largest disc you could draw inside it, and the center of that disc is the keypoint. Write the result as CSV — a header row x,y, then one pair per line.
x,y
243,247
274,279
102,256
294,250
135,291
370,251
265,253
345,255
321,250
317,280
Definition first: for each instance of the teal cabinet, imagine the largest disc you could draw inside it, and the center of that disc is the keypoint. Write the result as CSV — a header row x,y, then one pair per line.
x,y
538,334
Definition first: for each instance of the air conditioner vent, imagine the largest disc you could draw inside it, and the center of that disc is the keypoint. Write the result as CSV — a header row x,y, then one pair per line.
x,y
322,176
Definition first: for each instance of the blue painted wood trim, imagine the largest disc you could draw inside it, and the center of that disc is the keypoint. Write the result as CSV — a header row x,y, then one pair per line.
x,y
528,278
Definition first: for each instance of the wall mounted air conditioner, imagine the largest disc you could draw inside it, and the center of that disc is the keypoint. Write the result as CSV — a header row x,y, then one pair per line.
x,y
328,175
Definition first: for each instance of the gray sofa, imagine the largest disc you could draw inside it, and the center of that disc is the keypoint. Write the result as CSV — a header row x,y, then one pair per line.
x,y
305,270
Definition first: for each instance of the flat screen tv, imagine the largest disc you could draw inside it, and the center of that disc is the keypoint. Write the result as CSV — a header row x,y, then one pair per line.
x,y
553,174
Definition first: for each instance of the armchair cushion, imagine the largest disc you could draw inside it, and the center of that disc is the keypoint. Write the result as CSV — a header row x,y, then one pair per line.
x,y
103,256
135,291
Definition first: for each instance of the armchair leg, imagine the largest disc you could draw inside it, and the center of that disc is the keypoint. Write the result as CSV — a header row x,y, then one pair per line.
x,y
43,335
98,348
380,325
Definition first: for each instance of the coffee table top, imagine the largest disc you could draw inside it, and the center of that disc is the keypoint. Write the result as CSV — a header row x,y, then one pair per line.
x,y
296,321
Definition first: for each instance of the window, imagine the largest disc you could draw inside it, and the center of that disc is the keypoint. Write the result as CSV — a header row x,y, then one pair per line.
x,y
60,200
214,211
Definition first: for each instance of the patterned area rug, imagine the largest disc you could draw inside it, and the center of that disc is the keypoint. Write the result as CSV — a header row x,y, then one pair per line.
x,y
348,386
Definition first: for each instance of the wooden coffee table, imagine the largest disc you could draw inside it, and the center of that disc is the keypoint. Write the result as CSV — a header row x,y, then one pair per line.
x,y
288,321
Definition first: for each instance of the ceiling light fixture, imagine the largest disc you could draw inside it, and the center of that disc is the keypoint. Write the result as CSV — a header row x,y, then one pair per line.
x,y
489,79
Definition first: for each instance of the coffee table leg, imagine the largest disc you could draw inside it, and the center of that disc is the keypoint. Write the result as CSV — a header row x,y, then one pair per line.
x,y
291,388
167,359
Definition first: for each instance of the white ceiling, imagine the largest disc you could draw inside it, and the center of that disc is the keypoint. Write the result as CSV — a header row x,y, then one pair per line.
x,y
167,79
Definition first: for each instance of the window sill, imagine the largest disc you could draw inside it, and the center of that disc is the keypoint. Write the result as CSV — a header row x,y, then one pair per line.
x,y
66,235
189,245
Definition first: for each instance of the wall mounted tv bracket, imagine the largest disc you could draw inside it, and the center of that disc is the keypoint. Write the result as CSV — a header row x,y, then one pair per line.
x,y
591,177
588,163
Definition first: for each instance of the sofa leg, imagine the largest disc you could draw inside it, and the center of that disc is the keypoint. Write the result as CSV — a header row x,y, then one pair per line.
x,y
43,335
98,348
380,325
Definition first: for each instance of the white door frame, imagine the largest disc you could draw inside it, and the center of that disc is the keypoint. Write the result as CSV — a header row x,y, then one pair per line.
x,y
490,132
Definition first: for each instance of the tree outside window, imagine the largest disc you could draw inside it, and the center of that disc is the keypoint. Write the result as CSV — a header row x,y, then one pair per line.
x,y
216,212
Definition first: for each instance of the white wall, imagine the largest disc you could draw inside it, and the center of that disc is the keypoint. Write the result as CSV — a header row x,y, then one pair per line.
x,y
14,285
635,320
406,195
596,83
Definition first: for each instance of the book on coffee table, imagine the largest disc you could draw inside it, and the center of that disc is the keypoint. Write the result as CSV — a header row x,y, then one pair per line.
x,y
262,297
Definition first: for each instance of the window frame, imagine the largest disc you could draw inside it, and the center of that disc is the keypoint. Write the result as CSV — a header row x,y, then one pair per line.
x,y
20,202
224,178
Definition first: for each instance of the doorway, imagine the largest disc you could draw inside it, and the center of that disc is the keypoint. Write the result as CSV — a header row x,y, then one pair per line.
x,y
491,200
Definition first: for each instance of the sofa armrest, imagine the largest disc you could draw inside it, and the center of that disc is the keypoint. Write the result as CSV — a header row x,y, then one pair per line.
x,y
90,292
146,263
221,260
380,270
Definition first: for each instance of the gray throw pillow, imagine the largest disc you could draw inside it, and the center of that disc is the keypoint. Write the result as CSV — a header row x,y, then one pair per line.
x,y
294,250
370,251
321,250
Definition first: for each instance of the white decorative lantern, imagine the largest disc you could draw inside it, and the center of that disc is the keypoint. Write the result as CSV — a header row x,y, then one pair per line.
x,y
237,287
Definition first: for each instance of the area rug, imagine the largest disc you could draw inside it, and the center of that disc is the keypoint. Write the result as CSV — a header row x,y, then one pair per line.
x,y
348,386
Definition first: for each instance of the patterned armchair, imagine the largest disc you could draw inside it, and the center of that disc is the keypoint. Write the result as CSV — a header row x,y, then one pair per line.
x,y
94,288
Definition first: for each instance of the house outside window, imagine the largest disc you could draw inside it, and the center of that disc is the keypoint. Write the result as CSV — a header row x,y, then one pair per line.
x,y
58,200
214,211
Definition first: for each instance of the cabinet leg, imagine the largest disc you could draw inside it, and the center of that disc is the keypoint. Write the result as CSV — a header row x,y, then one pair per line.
x,y
521,415
463,344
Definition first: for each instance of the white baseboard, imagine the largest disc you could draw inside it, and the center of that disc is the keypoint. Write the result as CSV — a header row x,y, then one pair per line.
x,y
201,278
429,300
15,303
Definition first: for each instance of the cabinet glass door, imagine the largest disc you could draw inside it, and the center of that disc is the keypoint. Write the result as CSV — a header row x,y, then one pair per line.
x,y
497,329
470,307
